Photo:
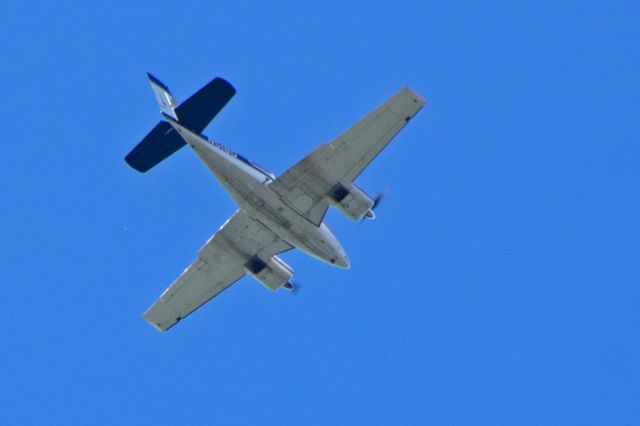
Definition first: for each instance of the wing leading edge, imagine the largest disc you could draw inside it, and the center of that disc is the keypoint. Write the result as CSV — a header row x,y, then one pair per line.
x,y
220,264
305,187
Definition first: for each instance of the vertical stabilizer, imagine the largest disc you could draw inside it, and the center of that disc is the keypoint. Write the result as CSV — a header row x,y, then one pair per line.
x,y
163,97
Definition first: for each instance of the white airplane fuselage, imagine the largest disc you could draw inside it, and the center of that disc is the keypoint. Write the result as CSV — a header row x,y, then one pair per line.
x,y
275,214
248,185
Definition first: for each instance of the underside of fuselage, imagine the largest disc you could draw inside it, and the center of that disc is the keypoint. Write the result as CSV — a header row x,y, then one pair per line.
x,y
248,185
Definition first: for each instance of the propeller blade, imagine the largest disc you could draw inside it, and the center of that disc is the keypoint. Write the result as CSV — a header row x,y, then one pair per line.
x,y
376,202
379,198
292,287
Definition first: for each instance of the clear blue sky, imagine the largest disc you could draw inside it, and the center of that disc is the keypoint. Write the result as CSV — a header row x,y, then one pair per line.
x,y
499,284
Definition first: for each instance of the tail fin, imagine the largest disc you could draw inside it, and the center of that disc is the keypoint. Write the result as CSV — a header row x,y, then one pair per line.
x,y
163,97
195,114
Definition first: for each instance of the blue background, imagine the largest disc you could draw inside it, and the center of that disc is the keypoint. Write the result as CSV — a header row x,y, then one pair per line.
x,y
499,283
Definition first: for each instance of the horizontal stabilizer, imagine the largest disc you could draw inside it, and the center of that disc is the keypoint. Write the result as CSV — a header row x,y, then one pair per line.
x,y
159,144
195,114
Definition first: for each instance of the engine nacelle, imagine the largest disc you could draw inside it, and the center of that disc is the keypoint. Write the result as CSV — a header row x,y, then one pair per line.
x,y
273,274
351,201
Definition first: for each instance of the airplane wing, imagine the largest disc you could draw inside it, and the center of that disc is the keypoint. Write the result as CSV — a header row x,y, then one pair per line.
x,y
305,187
220,263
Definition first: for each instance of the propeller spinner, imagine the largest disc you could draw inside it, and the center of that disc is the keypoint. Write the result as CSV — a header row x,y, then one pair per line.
x,y
376,202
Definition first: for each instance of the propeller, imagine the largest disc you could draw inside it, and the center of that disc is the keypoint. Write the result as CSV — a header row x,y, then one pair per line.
x,y
292,287
296,288
379,197
376,202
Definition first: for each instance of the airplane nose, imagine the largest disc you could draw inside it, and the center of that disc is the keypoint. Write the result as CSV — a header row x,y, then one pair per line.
x,y
343,262
333,252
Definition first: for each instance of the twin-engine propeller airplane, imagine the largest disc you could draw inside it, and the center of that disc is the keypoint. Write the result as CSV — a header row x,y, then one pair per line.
x,y
276,214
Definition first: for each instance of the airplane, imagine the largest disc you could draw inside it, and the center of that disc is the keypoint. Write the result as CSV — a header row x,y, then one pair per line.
x,y
275,214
